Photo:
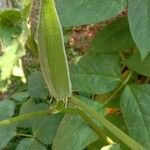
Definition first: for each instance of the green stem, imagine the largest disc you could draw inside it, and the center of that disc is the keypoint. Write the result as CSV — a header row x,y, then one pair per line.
x,y
30,136
26,117
119,88
25,135
108,125
89,121
43,113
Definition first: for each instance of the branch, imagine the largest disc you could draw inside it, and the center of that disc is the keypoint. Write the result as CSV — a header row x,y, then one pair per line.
x,y
119,88
27,116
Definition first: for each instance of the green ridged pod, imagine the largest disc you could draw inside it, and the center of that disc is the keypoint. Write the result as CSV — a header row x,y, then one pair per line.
x,y
51,50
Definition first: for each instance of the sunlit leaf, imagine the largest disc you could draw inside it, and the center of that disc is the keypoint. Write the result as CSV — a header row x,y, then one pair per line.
x,y
13,34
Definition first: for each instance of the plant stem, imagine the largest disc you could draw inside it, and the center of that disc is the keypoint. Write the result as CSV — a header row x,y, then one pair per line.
x,y
25,135
119,88
26,117
108,125
89,121
43,113
30,136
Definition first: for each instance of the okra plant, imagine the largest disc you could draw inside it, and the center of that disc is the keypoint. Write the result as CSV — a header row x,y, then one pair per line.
x,y
55,97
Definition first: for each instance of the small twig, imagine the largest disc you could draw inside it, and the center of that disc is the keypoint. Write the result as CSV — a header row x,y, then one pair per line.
x,y
122,56
119,88
25,135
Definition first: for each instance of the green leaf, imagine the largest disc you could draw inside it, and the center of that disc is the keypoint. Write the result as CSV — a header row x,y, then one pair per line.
x,y
30,144
10,25
6,132
118,121
113,38
135,102
93,104
111,147
37,86
13,32
20,96
6,109
96,74
135,63
73,132
80,12
139,22
43,128
7,61
26,107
